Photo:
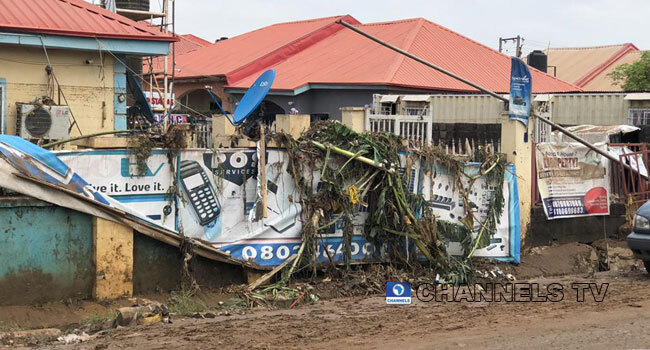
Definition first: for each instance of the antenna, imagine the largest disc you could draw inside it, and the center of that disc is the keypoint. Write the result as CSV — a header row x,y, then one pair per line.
x,y
251,100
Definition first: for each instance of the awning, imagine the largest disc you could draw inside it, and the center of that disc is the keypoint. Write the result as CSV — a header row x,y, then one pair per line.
x,y
388,98
638,96
594,133
416,98
543,98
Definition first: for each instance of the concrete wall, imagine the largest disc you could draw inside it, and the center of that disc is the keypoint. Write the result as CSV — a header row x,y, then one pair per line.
x,y
157,267
313,101
585,230
85,86
45,252
327,101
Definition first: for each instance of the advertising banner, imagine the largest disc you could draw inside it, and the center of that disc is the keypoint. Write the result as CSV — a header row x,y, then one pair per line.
x,y
573,180
219,201
520,91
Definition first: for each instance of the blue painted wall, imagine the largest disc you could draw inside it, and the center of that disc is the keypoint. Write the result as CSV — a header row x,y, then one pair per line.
x,y
119,100
46,252
132,47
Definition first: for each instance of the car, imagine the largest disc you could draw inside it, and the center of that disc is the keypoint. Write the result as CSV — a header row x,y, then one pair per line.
x,y
639,240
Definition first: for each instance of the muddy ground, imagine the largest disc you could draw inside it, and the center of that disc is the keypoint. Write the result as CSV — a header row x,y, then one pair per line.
x,y
366,322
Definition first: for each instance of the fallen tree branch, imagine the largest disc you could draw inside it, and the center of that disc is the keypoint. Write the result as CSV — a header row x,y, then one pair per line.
x,y
351,155
267,276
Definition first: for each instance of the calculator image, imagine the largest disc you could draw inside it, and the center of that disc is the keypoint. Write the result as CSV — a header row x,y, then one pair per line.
x,y
199,192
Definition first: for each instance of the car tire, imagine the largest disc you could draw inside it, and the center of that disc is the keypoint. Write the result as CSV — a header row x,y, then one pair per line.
x,y
646,263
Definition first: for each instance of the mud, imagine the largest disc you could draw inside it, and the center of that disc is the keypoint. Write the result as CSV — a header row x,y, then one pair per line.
x,y
620,321
366,322
33,286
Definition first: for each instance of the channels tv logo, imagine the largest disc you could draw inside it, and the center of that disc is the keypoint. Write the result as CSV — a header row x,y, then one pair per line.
x,y
398,293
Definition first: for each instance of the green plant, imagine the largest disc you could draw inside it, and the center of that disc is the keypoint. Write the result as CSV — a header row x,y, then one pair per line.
x,y
633,76
185,304
394,212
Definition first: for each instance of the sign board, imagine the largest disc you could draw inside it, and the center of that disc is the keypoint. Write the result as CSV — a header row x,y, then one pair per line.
x,y
573,180
156,101
520,91
221,202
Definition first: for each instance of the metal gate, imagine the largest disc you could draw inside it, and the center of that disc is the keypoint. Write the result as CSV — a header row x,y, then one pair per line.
x,y
634,181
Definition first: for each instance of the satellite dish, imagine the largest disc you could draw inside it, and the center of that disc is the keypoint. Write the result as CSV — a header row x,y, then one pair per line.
x,y
139,96
252,98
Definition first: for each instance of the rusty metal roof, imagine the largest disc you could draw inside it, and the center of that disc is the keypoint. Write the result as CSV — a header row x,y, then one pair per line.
x,y
75,18
588,67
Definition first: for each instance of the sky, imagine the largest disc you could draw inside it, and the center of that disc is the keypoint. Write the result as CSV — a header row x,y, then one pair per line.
x,y
562,23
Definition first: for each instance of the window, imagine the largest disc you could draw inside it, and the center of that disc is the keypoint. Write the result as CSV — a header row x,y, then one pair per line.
x,y
3,106
638,116
388,108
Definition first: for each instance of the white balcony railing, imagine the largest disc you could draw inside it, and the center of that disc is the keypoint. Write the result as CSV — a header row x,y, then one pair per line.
x,y
418,129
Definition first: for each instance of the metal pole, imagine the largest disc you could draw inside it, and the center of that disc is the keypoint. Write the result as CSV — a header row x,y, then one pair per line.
x,y
500,45
485,90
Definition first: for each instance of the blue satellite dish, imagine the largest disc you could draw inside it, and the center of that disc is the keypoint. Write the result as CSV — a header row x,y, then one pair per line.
x,y
251,100
254,96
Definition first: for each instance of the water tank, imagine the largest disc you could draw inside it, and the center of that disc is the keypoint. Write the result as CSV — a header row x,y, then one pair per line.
x,y
141,5
538,59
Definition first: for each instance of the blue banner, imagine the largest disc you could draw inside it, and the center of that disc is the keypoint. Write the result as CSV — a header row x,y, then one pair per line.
x,y
520,90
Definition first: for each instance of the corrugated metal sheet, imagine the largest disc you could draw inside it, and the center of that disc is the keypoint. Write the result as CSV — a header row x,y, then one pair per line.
x,y
186,43
323,52
593,109
566,109
475,109
348,58
72,18
587,67
277,42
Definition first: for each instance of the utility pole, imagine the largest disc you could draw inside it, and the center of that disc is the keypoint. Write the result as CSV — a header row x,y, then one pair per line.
x,y
517,39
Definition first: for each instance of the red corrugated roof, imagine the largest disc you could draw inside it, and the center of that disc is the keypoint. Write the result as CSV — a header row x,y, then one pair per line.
x,y
248,52
72,18
186,43
195,39
345,57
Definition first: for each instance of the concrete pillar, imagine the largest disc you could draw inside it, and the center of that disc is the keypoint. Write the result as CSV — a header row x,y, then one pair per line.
x,y
519,153
292,124
222,131
354,118
113,256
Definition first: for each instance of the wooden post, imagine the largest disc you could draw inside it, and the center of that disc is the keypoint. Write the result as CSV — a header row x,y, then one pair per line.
x,y
262,165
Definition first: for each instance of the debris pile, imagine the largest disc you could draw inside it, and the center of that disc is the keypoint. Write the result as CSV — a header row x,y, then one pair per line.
x,y
143,312
367,170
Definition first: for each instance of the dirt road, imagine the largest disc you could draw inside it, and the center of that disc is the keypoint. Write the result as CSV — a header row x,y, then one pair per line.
x,y
619,322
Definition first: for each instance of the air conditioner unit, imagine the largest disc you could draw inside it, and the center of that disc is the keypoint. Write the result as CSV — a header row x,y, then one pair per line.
x,y
35,121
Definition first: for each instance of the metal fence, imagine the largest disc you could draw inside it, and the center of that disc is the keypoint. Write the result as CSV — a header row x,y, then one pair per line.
x,y
638,116
633,183
201,134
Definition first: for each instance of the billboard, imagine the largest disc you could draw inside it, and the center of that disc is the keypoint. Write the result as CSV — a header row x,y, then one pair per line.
x,y
573,180
219,201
